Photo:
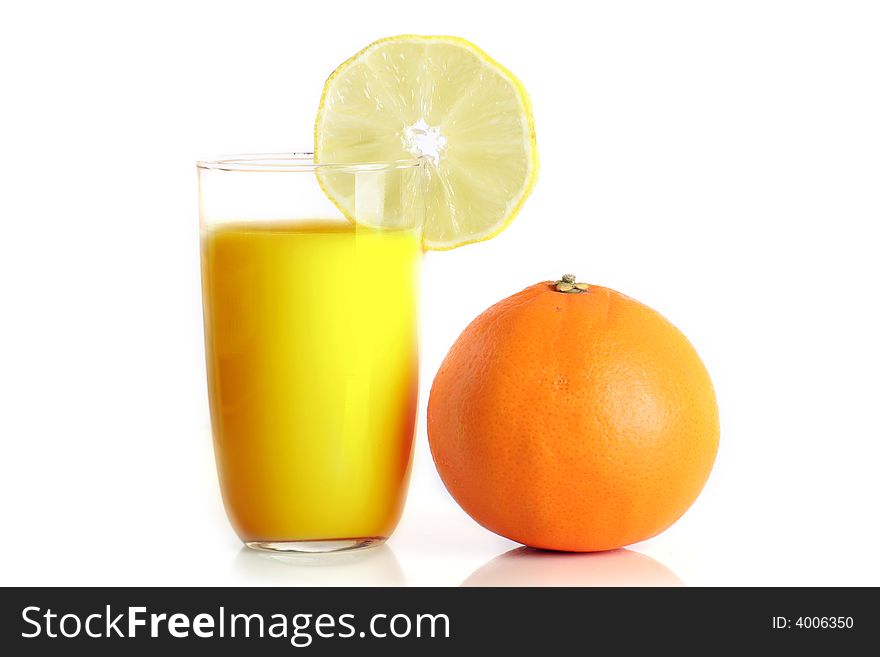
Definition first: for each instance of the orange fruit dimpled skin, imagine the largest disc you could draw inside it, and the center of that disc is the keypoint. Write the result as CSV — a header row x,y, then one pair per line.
x,y
573,421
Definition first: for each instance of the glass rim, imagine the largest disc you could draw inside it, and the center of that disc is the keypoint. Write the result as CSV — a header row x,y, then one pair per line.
x,y
297,162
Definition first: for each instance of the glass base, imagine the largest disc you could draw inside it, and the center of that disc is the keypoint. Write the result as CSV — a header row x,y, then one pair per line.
x,y
316,547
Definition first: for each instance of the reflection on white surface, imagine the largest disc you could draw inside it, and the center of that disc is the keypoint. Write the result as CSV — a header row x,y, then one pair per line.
x,y
369,567
530,567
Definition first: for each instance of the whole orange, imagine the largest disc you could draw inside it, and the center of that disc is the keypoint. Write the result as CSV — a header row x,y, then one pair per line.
x,y
571,417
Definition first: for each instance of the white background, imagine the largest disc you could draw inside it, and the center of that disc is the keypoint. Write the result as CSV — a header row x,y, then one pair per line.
x,y
717,161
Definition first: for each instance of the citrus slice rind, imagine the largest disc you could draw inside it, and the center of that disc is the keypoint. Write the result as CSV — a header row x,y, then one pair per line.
x,y
443,100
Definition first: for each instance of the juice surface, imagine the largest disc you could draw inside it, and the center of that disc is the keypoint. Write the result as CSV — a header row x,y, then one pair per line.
x,y
312,358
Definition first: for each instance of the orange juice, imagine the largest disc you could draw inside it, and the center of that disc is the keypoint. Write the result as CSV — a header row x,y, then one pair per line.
x,y
312,373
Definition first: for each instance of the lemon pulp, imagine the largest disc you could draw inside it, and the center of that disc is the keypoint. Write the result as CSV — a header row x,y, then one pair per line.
x,y
442,99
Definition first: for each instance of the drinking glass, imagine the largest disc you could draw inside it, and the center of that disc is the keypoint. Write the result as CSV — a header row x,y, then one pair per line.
x,y
309,288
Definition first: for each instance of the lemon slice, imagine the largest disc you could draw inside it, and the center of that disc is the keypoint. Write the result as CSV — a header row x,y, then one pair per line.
x,y
445,100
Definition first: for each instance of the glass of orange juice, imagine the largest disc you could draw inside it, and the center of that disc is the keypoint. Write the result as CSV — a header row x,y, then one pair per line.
x,y
312,344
